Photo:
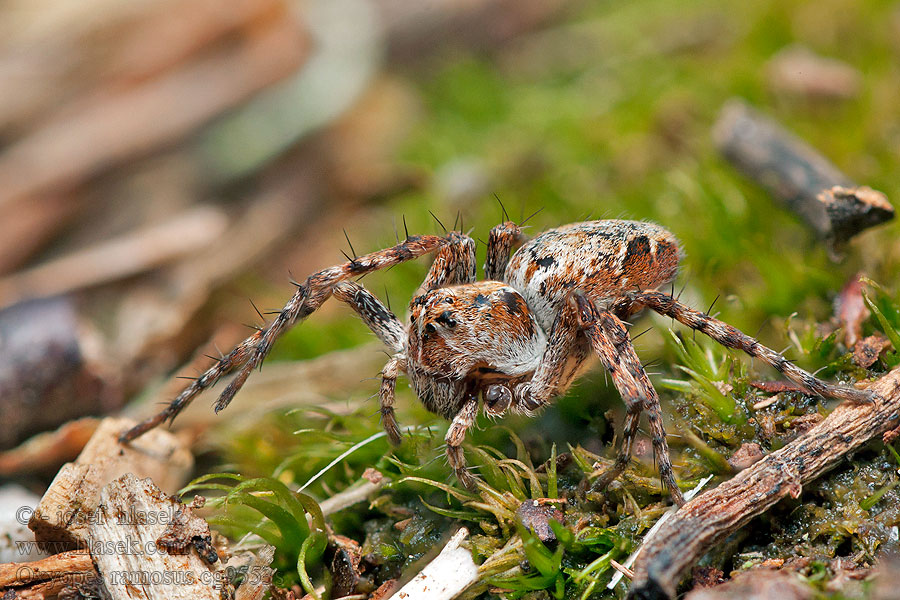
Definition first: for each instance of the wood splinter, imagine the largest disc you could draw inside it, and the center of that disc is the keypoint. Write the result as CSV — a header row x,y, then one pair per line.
x,y
711,517
830,202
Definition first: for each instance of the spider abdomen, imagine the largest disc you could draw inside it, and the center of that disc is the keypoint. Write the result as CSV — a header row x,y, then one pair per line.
x,y
603,259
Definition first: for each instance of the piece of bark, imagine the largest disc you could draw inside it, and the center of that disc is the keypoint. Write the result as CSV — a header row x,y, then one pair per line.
x,y
809,185
760,584
535,515
45,452
132,515
708,519
185,531
867,350
345,573
61,521
76,563
445,577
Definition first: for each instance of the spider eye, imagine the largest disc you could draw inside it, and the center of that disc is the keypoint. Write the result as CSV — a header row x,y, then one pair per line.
x,y
429,328
447,319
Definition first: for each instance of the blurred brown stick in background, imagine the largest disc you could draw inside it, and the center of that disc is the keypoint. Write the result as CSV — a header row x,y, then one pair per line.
x,y
809,185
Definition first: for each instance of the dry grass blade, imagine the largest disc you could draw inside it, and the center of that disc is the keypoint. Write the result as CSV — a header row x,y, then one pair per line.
x,y
127,255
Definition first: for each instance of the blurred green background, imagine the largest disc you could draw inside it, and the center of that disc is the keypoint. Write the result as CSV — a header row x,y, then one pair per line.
x,y
608,114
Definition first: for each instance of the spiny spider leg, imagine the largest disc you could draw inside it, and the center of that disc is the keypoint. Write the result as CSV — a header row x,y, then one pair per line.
x,y
611,342
373,313
562,359
454,263
309,296
456,434
392,334
502,239
389,375
732,337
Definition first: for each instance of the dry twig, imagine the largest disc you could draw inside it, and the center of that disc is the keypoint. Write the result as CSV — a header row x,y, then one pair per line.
x,y
59,566
711,517
834,206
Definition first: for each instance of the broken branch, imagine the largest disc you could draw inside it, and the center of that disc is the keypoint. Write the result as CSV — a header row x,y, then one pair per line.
x,y
809,185
713,516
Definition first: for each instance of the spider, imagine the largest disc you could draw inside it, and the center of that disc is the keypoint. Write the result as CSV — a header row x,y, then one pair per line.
x,y
516,340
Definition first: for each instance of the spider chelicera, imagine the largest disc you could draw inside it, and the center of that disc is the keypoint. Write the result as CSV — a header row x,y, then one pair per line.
x,y
516,340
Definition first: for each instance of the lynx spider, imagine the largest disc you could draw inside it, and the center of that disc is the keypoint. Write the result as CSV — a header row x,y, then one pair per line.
x,y
519,338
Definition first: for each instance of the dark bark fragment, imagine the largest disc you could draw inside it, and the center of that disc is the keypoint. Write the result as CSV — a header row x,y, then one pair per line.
x,y
809,185
535,515
711,517
867,350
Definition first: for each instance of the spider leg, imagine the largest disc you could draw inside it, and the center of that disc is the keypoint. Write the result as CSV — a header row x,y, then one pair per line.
x,y
374,314
611,342
463,420
309,296
732,337
391,332
454,263
389,375
629,431
502,239
564,355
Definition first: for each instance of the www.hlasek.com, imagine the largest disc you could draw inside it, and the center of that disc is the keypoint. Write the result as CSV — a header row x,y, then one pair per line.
x,y
125,547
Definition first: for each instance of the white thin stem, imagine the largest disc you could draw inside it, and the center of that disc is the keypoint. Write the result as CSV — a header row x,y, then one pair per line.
x,y
341,457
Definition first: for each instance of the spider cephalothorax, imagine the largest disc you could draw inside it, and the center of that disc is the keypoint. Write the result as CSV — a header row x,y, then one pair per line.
x,y
517,340
465,337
